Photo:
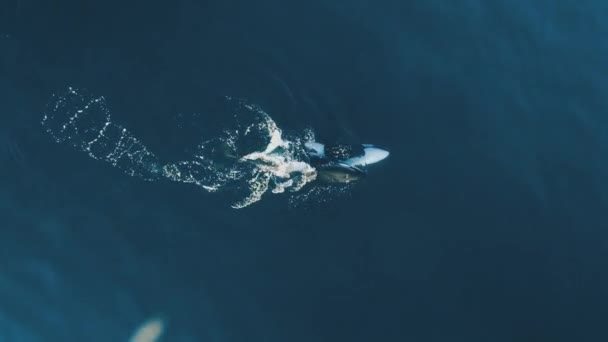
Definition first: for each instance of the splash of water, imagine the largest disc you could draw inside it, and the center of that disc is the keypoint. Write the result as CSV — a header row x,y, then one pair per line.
x,y
224,162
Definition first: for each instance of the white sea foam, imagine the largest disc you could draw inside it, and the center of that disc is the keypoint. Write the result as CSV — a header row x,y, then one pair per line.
x,y
277,165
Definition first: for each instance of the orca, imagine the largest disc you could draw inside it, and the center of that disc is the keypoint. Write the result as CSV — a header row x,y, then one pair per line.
x,y
343,163
353,155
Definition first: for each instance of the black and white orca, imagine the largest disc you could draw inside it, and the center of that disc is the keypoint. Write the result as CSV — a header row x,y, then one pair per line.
x,y
343,163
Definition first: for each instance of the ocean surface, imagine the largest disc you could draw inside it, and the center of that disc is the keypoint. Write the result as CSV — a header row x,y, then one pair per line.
x,y
488,222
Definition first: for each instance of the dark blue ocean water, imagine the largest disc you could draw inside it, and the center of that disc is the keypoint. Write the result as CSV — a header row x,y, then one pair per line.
x,y
489,221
